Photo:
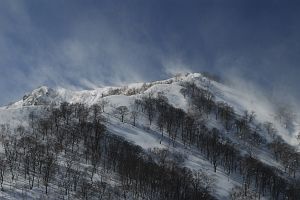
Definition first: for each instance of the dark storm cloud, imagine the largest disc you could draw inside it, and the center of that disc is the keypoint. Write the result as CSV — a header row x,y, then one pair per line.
x,y
85,44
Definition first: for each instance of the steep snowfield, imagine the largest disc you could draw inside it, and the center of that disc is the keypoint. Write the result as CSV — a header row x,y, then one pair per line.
x,y
148,136
264,110
149,139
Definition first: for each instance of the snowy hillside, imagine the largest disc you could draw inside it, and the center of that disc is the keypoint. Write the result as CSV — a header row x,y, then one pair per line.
x,y
125,111
240,100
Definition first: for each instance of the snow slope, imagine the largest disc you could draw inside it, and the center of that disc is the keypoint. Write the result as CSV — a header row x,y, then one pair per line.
x,y
148,136
240,100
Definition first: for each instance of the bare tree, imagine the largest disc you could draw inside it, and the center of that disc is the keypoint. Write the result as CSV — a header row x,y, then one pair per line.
x,y
48,170
202,180
11,155
238,193
2,170
149,106
103,103
134,114
122,111
298,137
96,112
271,130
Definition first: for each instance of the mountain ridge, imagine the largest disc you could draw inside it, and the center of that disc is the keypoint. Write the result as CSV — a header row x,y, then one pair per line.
x,y
239,100
126,113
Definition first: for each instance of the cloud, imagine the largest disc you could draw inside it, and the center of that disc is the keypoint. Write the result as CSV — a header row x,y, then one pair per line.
x,y
93,51
175,66
265,101
85,45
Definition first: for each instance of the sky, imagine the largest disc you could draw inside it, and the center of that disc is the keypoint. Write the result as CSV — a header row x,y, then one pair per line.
x,y
83,44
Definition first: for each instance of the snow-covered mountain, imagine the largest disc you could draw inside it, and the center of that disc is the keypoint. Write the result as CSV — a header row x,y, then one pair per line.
x,y
240,100
148,135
